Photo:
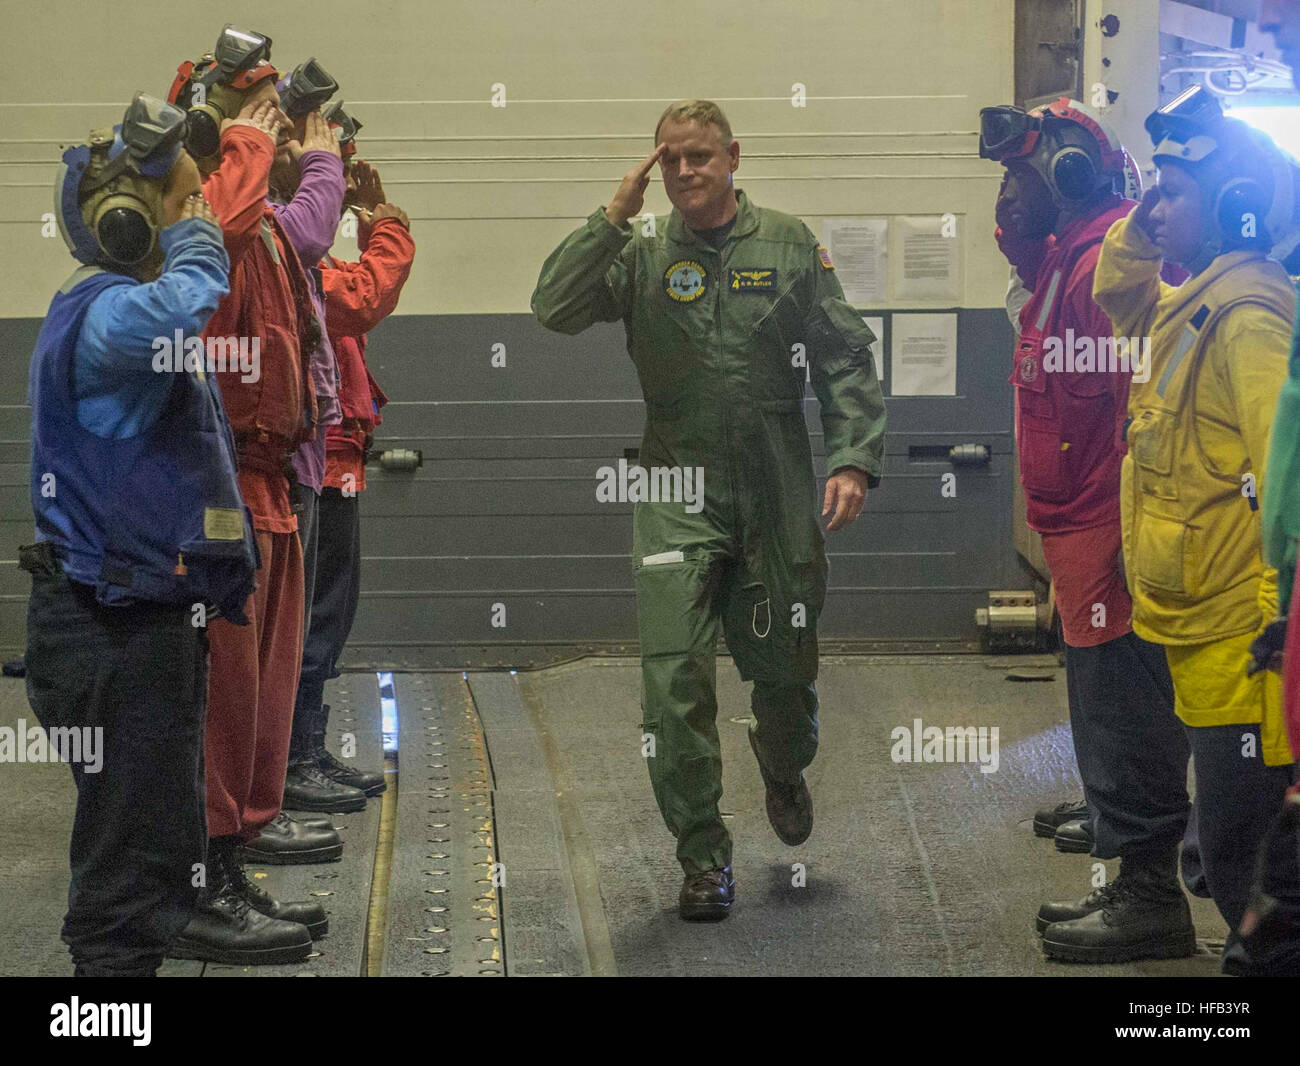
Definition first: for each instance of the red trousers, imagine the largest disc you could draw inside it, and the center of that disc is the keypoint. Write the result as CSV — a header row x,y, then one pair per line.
x,y
252,682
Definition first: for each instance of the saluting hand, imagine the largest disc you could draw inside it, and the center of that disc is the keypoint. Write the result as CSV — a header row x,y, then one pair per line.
x,y
1002,209
263,115
318,137
631,191
1142,213
196,206
370,190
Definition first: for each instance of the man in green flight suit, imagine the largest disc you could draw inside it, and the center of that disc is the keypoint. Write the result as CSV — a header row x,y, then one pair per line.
x,y
729,308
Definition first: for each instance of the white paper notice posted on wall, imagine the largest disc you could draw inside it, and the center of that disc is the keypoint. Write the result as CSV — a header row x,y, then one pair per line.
x,y
857,247
926,259
923,355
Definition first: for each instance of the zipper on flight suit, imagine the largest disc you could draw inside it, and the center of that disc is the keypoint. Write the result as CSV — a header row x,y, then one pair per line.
x,y
732,480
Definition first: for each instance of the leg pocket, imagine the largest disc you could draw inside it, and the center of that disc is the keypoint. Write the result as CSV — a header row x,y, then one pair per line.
x,y
674,605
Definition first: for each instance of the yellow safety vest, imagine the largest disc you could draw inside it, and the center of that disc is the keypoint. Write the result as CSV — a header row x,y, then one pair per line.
x,y
1191,521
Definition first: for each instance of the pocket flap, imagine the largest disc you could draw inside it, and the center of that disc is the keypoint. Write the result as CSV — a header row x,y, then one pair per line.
x,y
846,325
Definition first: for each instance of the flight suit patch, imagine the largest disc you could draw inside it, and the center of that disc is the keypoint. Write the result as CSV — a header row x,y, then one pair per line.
x,y
825,256
754,279
684,281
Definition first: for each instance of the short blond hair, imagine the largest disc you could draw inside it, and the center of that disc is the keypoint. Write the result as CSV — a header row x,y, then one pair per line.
x,y
702,112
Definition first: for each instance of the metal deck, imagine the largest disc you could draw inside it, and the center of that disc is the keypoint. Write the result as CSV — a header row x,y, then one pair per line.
x,y
519,836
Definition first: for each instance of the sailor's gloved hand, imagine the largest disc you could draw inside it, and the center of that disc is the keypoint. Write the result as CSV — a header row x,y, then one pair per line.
x,y
1266,649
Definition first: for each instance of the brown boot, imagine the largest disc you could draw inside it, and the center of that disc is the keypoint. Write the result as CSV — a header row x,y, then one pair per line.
x,y
707,896
789,805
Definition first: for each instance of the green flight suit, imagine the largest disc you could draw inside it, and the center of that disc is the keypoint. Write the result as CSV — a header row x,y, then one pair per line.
x,y
720,340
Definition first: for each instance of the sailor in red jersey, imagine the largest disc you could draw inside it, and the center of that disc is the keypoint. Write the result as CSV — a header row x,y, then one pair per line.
x,y
358,296
1067,178
234,127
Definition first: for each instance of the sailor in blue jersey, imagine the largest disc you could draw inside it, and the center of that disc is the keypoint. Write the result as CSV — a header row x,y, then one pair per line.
x,y
140,533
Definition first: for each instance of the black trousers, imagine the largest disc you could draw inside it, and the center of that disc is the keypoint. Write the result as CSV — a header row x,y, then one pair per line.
x,y
306,505
335,591
1237,799
140,674
1131,747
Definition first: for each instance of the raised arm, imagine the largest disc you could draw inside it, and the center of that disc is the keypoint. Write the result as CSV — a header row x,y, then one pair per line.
x,y
124,322
237,188
586,279
312,216
1127,282
360,295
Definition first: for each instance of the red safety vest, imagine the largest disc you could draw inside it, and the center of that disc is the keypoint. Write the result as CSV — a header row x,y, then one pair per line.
x,y
1067,420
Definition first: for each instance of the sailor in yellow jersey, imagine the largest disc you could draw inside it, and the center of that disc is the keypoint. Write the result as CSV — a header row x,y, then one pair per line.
x,y
1197,437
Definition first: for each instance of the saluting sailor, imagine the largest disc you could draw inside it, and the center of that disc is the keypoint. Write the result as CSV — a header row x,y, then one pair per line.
x,y
728,307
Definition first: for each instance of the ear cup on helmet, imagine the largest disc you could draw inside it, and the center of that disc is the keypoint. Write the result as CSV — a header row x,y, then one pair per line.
x,y
124,228
203,131
206,107
1073,173
1241,210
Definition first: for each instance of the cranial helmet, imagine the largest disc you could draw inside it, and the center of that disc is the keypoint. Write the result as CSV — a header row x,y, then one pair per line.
x,y
1248,185
109,193
1070,146
213,89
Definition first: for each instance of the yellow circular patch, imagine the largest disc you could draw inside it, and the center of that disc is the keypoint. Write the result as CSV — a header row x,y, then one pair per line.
x,y
684,281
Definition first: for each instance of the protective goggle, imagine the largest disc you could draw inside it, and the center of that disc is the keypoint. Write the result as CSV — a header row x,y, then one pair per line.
x,y
236,52
346,126
1006,131
1189,113
147,142
308,88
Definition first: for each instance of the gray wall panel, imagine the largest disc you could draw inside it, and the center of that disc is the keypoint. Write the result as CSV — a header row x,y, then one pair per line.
x,y
504,507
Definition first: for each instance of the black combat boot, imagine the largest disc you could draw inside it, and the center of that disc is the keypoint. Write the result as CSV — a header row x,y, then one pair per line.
x,y
1070,909
307,789
304,912
368,781
1075,837
1267,942
287,842
1050,819
226,929
1144,915
707,896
